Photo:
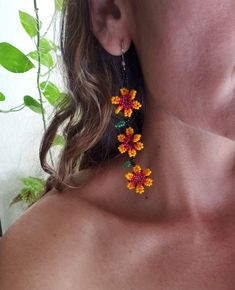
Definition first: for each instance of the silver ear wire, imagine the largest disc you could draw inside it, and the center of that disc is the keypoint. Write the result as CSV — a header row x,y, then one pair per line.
x,y
123,58
124,71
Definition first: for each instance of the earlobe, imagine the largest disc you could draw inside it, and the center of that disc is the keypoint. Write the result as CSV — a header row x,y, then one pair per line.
x,y
109,25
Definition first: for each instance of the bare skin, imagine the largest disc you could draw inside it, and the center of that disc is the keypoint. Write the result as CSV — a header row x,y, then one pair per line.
x,y
182,236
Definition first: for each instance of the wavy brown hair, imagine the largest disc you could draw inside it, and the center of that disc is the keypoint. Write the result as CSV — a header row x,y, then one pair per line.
x,y
86,115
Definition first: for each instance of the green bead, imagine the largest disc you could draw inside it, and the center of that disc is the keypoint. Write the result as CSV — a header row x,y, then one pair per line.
x,y
127,164
120,124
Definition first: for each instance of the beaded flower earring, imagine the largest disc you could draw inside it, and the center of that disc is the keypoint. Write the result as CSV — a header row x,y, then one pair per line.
x,y
130,141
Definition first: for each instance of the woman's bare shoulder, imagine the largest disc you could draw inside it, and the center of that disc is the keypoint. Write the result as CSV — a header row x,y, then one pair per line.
x,y
58,231
57,208
40,244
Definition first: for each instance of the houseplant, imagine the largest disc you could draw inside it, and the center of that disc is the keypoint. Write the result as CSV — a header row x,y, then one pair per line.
x,y
43,60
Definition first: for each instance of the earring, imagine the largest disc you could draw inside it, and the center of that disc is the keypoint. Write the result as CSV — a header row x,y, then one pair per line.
x,y
130,141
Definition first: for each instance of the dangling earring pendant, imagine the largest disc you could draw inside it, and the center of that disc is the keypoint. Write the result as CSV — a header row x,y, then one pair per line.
x,y
130,142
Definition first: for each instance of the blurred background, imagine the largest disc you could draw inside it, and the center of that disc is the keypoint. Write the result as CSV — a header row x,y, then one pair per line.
x,y
21,131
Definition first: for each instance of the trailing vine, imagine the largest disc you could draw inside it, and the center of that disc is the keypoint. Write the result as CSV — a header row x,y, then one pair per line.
x,y
38,39
44,61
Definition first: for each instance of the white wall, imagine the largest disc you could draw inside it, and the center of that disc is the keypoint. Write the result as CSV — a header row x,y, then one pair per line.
x,y
20,131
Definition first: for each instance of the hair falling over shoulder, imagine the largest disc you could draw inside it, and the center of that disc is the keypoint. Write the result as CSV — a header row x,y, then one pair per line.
x,y
86,117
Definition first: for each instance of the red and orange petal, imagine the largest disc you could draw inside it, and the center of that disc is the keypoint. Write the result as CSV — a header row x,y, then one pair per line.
x,y
137,169
121,137
132,152
133,94
130,185
129,176
138,179
128,112
119,108
115,100
139,146
129,131
136,137
124,91
148,182
136,105
139,189
147,172
122,149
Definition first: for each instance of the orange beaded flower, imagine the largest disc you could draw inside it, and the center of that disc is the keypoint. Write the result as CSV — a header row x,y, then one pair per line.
x,y
126,102
130,142
138,179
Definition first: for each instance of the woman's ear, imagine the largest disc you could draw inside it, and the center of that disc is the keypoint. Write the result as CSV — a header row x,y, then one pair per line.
x,y
109,23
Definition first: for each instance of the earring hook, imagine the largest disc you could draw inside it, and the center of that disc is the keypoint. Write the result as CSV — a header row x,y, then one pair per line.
x,y
123,58
124,72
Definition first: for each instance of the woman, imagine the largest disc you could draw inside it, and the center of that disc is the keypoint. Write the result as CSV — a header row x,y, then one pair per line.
x,y
89,231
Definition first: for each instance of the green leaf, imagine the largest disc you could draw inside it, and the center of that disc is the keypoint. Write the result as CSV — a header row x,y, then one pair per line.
x,y
51,92
59,5
29,23
32,104
13,59
2,97
46,45
45,58
32,191
33,183
59,140
17,198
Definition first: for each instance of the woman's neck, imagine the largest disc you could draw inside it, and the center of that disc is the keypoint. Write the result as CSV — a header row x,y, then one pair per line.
x,y
193,169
